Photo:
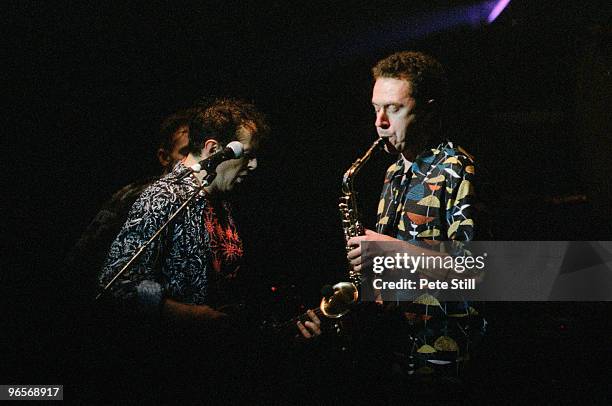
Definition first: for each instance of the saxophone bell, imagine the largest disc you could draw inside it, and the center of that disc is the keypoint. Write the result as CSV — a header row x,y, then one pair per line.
x,y
338,303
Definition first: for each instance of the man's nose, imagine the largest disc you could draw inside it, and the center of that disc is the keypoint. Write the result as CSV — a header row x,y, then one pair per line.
x,y
382,121
252,164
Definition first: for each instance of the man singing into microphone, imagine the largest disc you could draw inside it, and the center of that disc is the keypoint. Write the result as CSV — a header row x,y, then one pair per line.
x,y
189,276
186,272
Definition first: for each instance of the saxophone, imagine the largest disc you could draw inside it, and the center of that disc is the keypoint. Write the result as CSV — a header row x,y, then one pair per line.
x,y
346,293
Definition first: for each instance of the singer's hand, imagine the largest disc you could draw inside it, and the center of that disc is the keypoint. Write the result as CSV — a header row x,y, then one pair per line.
x,y
202,314
310,329
354,255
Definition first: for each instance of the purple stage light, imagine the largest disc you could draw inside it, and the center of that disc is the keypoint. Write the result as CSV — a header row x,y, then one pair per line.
x,y
497,9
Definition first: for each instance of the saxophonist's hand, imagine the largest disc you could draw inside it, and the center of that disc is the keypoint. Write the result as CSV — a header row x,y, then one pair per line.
x,y
354,255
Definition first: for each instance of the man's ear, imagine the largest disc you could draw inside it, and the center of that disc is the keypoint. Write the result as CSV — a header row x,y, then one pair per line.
x,y
163,157
210,147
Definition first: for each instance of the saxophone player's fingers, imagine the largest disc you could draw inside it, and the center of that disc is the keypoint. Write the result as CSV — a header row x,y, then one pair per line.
x,y
303,330
355,262
354,253
355,241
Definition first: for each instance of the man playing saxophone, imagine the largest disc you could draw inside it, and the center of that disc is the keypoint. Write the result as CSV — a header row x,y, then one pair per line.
x,y
407,97
427,195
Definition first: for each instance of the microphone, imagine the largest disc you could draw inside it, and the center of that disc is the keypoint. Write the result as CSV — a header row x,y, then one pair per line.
x,y
233,150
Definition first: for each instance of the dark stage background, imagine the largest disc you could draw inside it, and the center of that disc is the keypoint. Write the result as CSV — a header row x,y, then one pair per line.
x,y
88,85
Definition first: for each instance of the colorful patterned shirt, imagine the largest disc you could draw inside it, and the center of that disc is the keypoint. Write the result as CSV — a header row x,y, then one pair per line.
x,y
192,261
432,200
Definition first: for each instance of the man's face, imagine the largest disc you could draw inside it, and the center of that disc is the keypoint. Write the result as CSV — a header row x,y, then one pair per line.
x,y
395,115
180,140
234,171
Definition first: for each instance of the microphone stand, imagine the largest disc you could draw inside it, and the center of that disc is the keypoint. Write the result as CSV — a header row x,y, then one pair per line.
x,y
208,178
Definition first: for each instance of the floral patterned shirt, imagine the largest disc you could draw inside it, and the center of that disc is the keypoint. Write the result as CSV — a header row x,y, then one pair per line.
x,y
191,261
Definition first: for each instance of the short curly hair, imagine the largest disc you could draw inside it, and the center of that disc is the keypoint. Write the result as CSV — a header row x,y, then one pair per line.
x,y
170,125
424,72
222,119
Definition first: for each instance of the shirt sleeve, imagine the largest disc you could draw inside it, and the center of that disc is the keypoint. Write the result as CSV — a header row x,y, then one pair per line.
x,y
139,287
461,210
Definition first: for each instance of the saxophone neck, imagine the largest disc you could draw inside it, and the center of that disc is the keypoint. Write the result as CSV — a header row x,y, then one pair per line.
x,y
347,180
